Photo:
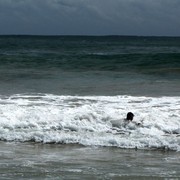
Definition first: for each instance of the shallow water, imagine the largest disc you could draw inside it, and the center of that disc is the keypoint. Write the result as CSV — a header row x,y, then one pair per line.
x,y
51,161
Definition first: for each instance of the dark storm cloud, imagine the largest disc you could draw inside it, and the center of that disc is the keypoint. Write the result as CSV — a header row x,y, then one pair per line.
x,y
135,17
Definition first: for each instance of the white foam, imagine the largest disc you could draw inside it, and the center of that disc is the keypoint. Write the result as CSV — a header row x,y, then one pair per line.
x,y
92,120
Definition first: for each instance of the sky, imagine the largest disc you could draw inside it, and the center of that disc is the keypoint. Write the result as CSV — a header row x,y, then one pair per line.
x,y
90,17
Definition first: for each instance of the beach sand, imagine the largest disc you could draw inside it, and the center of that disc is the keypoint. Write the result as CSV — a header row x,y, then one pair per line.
x,y
55,161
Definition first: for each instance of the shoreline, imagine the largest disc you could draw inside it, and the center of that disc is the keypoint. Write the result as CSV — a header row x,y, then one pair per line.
x,y
52,161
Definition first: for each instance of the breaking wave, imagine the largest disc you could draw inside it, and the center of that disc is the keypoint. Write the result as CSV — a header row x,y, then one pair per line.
x,y
91,120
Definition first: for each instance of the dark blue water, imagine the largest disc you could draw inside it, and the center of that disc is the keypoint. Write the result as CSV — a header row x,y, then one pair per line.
x,y
85,65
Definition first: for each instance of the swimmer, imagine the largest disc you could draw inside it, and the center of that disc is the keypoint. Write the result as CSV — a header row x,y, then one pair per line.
x,y
123,122
130,117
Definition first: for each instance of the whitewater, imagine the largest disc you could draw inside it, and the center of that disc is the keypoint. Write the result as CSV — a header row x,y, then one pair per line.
x,y
91,120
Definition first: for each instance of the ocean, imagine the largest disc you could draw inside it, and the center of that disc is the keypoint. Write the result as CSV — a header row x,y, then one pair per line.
x,y
63,97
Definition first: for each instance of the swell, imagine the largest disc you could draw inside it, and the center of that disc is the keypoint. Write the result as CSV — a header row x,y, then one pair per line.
x,y
94,62
86,53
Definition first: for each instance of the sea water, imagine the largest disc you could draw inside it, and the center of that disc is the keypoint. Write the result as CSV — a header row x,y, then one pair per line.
x,y
71,90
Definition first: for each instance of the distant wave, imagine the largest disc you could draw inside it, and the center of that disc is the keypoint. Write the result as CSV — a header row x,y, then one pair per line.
x,y
159,63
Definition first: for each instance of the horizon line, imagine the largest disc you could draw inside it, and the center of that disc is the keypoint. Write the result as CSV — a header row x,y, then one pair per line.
x,y
88,35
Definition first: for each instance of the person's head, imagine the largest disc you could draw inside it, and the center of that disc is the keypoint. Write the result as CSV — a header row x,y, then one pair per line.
x,y
130,116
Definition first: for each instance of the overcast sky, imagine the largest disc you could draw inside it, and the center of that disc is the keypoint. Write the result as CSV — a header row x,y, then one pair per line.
x,y
90,17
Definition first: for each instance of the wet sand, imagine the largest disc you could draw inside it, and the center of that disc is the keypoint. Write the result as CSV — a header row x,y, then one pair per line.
x,y
51,161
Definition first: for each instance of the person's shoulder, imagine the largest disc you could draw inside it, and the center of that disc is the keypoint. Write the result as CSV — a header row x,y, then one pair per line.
x,y
117,123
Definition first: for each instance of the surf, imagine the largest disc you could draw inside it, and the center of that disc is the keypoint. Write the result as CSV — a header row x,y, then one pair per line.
x,y
87,120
